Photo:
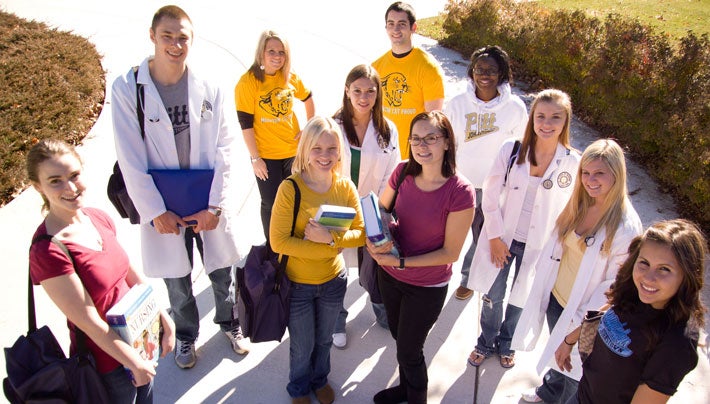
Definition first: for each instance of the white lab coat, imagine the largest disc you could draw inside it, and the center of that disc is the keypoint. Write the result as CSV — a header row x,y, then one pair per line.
x,y
376,163
596,273
502,206
164,255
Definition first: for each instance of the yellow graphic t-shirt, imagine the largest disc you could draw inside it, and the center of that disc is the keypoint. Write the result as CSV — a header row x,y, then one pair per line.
x,y
407,83
271,103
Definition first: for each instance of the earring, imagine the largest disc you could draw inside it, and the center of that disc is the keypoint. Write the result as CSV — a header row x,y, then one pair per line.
x,y
262,67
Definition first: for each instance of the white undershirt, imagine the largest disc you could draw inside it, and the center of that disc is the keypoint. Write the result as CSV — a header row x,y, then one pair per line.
x,y
521,231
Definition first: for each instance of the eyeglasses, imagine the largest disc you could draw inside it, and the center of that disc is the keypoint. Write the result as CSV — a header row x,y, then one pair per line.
x,y
430,140
486,72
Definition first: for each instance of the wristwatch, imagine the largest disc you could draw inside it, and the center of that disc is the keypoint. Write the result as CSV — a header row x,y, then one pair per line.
x,y
215,211
254,159
401,262
332,243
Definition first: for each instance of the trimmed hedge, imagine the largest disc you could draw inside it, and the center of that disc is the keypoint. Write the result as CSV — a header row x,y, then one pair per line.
x,y
52,85
625,79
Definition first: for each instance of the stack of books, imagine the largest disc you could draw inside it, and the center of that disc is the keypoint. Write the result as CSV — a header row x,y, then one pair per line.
x,y
376,229
136,319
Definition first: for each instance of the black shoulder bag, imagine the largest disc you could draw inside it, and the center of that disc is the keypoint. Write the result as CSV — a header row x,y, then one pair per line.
x,y
116,188
38,370
265,290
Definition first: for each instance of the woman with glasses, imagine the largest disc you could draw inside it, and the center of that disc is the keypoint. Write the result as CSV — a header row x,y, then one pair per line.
x,y
485,115
578,265
264,98
369,156
522,195
434,208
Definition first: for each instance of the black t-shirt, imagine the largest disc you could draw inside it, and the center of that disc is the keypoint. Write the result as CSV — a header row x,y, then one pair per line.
x,y
621,359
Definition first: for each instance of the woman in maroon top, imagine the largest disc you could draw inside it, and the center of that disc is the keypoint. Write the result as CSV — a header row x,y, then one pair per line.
x,y
434,210
103,273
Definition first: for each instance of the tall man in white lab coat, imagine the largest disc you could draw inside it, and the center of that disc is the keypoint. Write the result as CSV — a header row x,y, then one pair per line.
x,y
185,128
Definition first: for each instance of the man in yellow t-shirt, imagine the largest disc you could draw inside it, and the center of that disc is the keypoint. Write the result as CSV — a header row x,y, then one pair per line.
x,y
412,80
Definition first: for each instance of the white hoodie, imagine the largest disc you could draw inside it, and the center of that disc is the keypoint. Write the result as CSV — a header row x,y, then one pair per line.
x,y
481,128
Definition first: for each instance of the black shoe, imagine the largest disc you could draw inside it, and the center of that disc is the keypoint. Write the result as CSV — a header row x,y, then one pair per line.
x,y
392,395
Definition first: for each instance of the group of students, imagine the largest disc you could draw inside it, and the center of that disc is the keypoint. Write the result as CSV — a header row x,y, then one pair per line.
x,y
482,165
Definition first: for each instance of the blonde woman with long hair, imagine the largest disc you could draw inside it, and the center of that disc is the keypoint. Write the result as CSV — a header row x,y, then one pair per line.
x,y
578,264
315,266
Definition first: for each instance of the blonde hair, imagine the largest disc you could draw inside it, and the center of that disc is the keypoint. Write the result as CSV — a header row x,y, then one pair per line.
x,y
550,95
257,68
312,132
615,203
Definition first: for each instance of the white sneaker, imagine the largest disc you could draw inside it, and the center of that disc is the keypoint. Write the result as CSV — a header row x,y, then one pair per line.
x,y
340,340
530,396
185,355
236,338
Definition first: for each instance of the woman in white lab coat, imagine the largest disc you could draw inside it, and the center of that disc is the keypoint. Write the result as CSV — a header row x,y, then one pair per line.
x,y
521,199
369,157
578,264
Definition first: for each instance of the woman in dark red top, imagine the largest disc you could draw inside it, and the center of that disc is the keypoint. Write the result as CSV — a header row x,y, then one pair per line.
x,y
103,273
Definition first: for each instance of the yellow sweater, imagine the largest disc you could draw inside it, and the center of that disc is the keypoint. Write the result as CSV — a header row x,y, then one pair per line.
x,y
310,262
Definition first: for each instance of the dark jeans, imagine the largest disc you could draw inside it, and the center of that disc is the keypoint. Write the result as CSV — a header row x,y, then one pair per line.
x,y
121,390
377,308
183,307
411,312
476,227
313,311
278,171
556,387
497,333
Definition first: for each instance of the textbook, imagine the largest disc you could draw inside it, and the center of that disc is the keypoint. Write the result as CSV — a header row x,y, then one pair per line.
x,y
376,229
334,217
136,319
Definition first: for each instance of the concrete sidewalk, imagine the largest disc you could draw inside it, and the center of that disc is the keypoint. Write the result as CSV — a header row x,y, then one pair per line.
x,y
324,49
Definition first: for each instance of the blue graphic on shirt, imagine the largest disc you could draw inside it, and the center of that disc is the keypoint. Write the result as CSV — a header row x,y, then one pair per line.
x,y
614,334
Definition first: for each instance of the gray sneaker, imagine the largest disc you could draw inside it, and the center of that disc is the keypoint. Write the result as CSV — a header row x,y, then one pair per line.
x,y
236,338
185,355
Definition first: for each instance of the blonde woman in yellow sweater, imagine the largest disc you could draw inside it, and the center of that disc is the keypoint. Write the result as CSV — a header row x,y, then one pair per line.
x,y
315,266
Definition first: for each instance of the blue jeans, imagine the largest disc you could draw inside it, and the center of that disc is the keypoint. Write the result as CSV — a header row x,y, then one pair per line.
x,y
556,387
121,390
377,308
314,309
476,232
496,333
183,307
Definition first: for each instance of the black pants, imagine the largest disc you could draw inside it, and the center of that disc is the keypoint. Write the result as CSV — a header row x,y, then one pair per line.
x,y
278,171
411,312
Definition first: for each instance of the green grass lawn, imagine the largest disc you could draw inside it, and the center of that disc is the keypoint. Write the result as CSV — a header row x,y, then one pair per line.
x,y
675,17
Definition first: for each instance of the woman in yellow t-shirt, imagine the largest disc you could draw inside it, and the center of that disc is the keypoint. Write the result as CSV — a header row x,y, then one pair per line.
x,y
264,99
315,265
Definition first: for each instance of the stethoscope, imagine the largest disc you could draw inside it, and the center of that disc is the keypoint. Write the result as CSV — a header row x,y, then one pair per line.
x,y
588,241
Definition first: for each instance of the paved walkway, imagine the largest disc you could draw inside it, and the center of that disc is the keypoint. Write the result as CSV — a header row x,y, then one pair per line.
x,y
324,49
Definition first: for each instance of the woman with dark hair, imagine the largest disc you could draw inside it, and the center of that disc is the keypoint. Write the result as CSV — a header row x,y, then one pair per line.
x,y
485,115
434,212
649,335
264,98
369,157
85,285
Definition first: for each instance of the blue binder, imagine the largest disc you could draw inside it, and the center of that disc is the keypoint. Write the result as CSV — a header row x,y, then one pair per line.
x,y
184,191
